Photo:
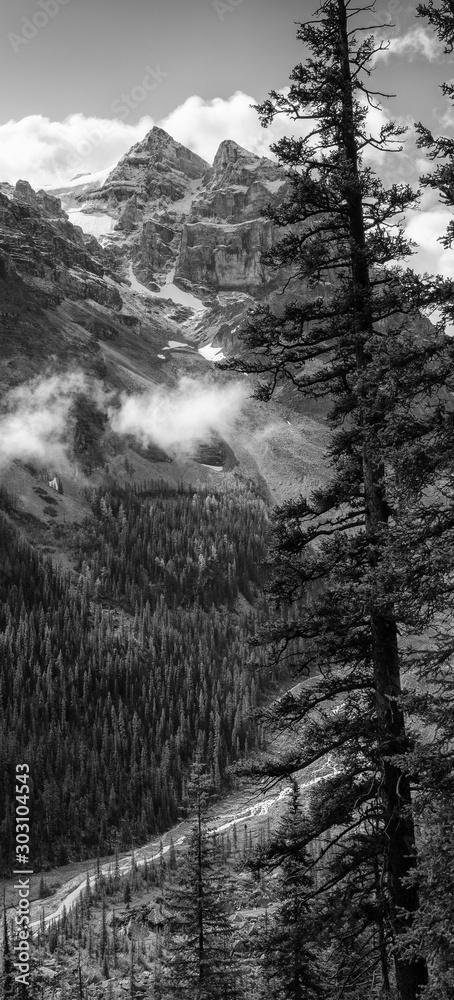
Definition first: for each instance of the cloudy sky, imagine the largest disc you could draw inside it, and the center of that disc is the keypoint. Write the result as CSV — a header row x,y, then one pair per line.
x,y
84,79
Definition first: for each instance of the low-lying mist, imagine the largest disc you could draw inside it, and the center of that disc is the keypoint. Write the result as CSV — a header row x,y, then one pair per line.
x,y
36,421
176,420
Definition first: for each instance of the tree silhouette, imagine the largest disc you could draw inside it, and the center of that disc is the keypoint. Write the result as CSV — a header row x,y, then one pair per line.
x,y
200,963
289,955
364,559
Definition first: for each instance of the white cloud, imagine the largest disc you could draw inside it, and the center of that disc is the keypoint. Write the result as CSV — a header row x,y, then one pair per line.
x,y
202,125
425,227
35,419
49,153
414,43
178,419
377,118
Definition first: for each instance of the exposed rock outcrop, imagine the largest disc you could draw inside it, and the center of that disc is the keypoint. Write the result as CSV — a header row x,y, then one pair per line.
x,y
48,204
239,185
42,245
156,169
159,246
77,284
167,199
130,216
224,257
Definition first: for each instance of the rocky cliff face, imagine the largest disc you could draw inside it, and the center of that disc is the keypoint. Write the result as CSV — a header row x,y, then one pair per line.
x,y
48,252
224,256
175,213
239,185
47,204
226,232
156,171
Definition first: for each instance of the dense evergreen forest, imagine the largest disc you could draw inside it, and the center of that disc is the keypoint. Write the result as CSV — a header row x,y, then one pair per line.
x,y
113,677
207,919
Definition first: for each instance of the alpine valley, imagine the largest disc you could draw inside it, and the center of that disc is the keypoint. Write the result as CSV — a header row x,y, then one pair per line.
x,y
227,507
137,482
134,549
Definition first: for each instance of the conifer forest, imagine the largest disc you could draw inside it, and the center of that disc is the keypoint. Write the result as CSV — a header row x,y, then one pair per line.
x,y
148,642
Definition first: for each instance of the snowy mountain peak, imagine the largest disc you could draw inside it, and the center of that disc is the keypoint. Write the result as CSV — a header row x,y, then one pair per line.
x,y
152,161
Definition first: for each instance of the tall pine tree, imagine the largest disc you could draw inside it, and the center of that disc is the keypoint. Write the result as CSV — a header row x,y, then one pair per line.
x,y
289,959
365,560
200,964
432,929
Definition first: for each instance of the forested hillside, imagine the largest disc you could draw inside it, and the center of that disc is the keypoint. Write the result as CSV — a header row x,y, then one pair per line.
x,y
115,676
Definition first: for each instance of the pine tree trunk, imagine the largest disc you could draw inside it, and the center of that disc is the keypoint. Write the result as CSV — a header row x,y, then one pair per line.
x,y
200,920
399,827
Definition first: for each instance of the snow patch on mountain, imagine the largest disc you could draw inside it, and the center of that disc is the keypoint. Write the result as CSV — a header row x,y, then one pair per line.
x,y
211,353
167,291
73,193
176,343
98,177
95,225
273,186
135,284
170,291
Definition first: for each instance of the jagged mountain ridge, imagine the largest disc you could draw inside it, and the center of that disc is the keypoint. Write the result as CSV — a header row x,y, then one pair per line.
x,y
175,211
